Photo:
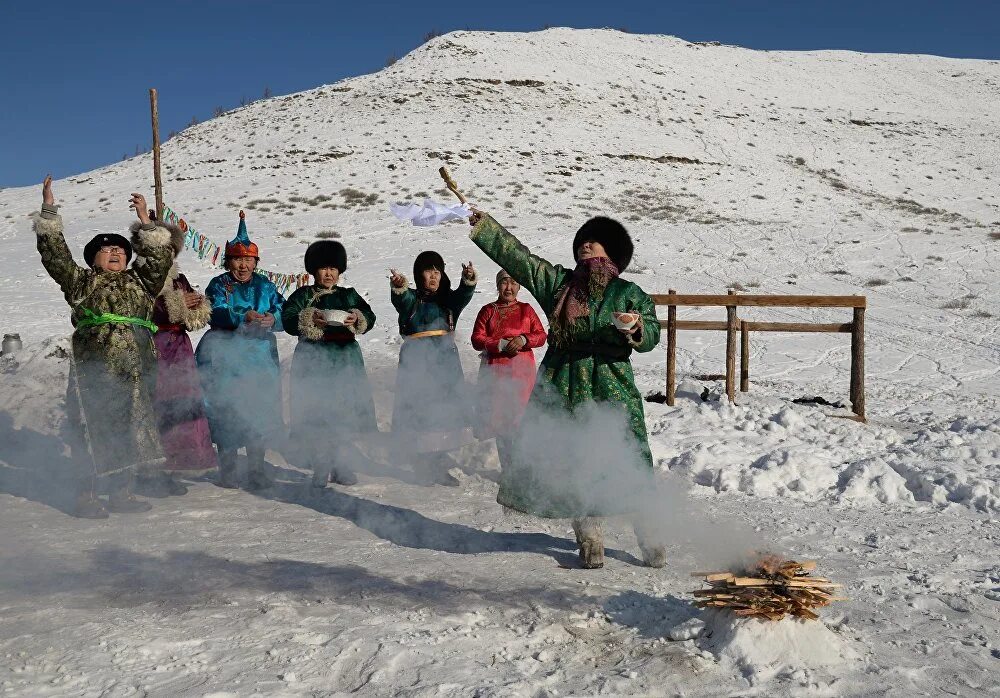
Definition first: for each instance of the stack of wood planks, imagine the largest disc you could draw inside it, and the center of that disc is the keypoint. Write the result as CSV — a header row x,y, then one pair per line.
x,y
769,588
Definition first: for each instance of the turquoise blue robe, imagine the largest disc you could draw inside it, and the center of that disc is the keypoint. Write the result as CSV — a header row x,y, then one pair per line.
x,y
238,364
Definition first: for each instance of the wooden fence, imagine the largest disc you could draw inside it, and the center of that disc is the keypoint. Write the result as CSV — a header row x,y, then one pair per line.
x,y
734,327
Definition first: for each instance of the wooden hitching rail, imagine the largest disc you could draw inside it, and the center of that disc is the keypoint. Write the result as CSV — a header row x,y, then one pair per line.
x,y
733,326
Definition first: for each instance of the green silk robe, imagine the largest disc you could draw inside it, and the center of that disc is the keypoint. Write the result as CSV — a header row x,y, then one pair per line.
x,y
331,398
569,380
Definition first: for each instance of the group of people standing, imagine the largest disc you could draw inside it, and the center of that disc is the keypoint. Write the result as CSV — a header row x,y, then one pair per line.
x,y
148,404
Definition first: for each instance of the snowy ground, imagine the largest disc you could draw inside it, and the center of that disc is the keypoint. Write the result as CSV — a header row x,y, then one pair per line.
x,y
822,172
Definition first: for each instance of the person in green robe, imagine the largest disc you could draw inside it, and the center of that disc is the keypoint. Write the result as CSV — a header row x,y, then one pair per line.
x,y
433,409
113,372
331,398
585,383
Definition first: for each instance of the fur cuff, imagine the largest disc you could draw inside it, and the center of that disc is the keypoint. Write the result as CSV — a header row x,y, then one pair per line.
x,y
47,224
174,302
635,339
145,238
361,325
307,327
473,281
197,317
399,290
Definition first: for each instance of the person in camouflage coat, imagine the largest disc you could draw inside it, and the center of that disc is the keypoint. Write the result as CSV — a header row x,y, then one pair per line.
x,y
587,366
114,358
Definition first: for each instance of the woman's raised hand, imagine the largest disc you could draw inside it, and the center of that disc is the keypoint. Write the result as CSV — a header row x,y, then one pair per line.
x,y
468,272
396,279
138,204
47,196
476,216
192,300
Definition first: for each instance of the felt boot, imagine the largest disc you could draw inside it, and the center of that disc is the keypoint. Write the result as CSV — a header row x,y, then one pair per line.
x,y
590,538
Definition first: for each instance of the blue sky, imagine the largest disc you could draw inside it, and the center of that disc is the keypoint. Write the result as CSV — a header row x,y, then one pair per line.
x,y
74,75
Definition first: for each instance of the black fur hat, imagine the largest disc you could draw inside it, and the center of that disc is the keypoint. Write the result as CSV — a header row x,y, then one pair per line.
x,y
612,236
326,253
430,260
106,240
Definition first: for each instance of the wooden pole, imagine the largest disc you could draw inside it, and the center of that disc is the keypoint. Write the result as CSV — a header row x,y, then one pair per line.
x,y
858,364
731,329
671,351
450,183
744,357
157,182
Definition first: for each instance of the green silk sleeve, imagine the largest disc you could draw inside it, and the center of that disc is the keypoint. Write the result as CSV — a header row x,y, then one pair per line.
x,y
539,277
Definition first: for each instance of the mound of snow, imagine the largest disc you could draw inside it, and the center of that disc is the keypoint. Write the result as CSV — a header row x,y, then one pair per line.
x,y
761,650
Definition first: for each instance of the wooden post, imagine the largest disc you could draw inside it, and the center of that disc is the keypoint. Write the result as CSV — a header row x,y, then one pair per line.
x,y
744,356
157,183
858,364
671,351
731,329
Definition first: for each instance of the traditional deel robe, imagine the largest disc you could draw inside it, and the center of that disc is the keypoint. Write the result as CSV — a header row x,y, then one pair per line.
x,y
114,363
331,398
238,364
596,369
178,403
505,382
431,395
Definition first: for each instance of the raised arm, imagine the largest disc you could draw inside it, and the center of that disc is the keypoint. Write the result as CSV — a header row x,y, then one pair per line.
x,y
538,277
154,253
56,257
462,296
404,298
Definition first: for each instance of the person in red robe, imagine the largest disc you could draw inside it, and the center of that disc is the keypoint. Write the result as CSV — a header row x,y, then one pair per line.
x,y
178,403
506,332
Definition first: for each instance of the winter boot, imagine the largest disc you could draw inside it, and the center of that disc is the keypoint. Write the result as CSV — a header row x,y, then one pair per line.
x,y
227,470
122,501
654,553
257,478
590,538
89,507
158,484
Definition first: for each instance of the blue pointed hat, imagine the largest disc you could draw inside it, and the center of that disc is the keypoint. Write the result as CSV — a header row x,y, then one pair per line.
x,y
240,246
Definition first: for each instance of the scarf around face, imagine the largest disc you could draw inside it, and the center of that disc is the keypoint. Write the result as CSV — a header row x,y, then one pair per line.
x,y
588,281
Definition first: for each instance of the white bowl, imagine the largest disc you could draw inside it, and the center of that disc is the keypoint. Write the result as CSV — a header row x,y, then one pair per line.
x,y
624,321
502,344
335,317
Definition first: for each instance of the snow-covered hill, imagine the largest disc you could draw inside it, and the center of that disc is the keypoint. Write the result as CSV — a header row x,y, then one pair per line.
x,y
777,172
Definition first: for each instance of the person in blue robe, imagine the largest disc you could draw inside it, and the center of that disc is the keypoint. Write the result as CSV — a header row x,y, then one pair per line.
x,y
432,406
238,363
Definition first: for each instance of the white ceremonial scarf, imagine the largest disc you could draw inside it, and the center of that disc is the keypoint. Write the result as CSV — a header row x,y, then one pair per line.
x,y
430,213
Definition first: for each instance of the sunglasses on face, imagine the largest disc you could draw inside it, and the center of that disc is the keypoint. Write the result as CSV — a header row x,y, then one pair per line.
x,y
112,249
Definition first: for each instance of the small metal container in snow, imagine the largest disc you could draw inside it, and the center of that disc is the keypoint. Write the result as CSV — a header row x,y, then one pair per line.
x,y
11,344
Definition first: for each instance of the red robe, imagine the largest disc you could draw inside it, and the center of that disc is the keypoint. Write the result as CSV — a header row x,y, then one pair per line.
x,y
505,382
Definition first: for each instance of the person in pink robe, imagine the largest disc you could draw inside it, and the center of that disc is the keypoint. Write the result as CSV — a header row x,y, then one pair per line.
x,y
506,331
178,402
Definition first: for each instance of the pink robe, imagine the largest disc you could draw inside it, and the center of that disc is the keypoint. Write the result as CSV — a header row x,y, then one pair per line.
x,y
505,382
178,403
